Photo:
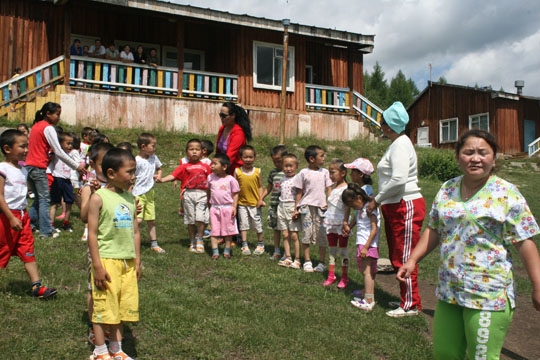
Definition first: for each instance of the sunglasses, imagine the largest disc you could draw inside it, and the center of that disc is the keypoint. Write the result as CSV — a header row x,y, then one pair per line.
x,y
223,116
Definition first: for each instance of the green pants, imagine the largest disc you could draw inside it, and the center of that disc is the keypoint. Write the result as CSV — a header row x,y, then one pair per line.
x,y
458,331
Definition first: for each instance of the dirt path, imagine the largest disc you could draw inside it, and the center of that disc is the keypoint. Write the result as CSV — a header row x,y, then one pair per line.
x,y
523,339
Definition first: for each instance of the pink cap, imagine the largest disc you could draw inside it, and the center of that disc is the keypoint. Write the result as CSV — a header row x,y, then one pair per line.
x,y
363,165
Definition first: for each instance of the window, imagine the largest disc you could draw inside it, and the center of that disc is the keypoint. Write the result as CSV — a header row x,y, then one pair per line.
x,y
479,121
193,59
448,130
268,65
309,74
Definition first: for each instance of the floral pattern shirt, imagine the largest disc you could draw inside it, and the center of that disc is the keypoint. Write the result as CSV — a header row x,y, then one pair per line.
x,y
475,268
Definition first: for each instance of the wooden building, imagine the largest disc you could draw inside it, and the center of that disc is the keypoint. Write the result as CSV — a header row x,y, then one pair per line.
x,y
442,112
207,57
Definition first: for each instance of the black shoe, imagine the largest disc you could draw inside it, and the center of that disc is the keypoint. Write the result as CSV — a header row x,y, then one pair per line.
x,y
67,227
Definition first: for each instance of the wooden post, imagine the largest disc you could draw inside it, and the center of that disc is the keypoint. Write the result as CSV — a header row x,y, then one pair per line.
x,y
180,54
286,23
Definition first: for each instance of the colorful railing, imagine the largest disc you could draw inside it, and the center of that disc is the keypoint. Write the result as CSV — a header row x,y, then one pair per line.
x,y
369,111
207,85
118,76
27,85
534,147
327,98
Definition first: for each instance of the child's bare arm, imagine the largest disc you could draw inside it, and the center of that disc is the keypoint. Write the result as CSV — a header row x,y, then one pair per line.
x,y
373,222
267,191
261,201
297,198
101,277
15,223
157,174
86,192
235,203
137,243
165,179
346,228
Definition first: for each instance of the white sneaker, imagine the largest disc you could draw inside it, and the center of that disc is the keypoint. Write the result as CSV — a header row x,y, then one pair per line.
x,y
363,304
400,312
319,268
308,267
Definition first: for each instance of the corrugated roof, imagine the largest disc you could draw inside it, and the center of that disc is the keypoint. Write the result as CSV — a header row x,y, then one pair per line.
x,y
365,43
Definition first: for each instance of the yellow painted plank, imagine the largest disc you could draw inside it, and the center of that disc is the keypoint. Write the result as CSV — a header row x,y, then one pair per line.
x,y
191,82
323,97
129,75
221,84
160,78
97,71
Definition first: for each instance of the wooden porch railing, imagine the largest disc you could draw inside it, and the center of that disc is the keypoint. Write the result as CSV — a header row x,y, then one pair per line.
x,y
534,147
208,85
327,98
27,85
118,76
368,110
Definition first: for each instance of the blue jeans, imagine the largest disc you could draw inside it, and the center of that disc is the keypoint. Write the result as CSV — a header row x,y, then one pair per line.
x,y
39,212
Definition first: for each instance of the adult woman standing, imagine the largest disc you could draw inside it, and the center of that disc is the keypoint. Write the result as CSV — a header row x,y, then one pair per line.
x,y
234,132
475,218
44,139
402,204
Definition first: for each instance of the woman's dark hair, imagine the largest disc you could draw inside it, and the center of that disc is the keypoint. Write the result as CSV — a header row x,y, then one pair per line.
x,y
353,191
482,134
76,140
311,151
240,117
114,159
8,138
47,108
223,160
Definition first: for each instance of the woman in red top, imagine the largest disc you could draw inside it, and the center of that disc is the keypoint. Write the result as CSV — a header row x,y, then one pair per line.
x,y
44,140
234,132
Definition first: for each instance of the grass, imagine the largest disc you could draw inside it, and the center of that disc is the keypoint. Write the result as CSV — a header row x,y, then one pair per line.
x,y
194,308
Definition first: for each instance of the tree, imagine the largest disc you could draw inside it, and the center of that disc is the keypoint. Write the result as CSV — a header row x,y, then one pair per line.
x,y
442,80
376,87
402,90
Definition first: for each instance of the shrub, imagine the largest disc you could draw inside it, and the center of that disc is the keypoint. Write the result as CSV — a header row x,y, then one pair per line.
x,y
440,164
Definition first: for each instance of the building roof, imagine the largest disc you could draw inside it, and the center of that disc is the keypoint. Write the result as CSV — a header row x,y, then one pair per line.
x,y
363,43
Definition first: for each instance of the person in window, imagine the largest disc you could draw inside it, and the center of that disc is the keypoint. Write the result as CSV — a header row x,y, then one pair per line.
x,y
234,132
112,52
153,58
126,55
97,50
139,57
76,48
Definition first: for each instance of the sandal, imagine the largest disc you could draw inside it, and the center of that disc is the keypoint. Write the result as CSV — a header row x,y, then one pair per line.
x,y
227,256
215,256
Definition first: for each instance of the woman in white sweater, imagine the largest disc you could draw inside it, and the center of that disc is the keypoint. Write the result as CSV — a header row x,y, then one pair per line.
x,y
402,204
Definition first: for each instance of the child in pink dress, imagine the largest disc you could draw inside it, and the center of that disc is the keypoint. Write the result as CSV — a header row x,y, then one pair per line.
x,y
223,198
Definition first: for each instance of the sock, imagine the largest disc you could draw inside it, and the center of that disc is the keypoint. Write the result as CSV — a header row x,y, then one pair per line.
x,y
331,270
154,244
260,243
332,255
115,346
215,251
369,297
36,284
227,251
244,243
199,240
101,349
277,251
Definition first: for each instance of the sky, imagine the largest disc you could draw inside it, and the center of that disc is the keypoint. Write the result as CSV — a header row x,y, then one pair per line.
x,y
469,42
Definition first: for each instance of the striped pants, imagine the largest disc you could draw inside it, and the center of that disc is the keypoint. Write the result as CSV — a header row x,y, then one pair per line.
x,y
403,223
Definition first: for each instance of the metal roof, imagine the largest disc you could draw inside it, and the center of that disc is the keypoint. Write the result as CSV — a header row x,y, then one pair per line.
x,y
364,43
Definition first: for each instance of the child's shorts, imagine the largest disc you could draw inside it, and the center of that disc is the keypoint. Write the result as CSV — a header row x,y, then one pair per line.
x,y
285,211
62,189
195,207
147,202
313,231
16,243
222,221
120,301
272,217
372,254
250,218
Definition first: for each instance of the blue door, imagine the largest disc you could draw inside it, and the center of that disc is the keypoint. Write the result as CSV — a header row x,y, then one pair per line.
x,y
529,134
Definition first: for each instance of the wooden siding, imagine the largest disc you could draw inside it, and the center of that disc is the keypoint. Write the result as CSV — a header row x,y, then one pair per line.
x,y
506,116
30,35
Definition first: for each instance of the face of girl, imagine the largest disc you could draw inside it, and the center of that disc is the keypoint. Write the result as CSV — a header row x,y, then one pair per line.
x,y
476,158
357,176
23,130
217,168
227,119
289,166
67,144
54,118
336,175
356,204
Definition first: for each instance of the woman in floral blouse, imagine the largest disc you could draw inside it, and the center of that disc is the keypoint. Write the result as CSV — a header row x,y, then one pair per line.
x,y
475,218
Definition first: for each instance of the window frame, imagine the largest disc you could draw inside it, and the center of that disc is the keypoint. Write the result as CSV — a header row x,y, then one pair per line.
x,y
290,68
446,123
478,118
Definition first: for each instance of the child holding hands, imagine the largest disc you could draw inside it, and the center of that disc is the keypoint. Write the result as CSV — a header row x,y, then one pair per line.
x,y
223,199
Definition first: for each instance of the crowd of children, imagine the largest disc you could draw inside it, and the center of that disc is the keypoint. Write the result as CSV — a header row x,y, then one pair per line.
x,y
116,194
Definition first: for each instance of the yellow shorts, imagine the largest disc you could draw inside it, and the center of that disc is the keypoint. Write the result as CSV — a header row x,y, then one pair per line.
x,y
147,202
120,302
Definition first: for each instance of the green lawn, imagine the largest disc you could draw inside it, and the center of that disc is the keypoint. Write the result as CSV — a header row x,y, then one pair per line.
x,y
195,308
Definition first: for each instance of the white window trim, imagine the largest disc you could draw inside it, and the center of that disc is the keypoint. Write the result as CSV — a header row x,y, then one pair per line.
x,y
478,116
290,55
441,124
